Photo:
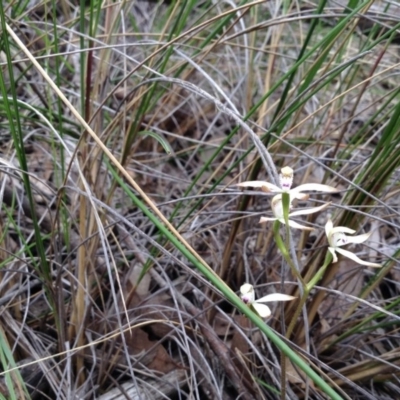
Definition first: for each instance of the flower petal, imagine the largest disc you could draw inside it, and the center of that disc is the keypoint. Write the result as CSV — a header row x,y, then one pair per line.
x,y
328,228
341,229
277,205
316,187
299,196
359,238
295,225
275,297
265,186
266,219
246,288
333,252
353,257
262,310
309,210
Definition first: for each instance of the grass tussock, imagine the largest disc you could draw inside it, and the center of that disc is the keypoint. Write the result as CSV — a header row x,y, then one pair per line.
x,y
125,240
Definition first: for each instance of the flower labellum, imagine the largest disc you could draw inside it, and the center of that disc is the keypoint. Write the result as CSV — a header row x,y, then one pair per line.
x,y
337,237
248,297
286,178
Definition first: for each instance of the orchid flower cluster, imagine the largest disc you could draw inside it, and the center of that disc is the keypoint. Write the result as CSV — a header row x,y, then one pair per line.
x,y
336,236
286,181
248,297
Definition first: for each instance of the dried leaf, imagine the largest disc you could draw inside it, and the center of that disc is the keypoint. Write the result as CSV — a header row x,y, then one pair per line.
x,y
150,353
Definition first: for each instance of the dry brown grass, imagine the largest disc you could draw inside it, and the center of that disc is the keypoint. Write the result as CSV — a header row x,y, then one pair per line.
x,y
115,310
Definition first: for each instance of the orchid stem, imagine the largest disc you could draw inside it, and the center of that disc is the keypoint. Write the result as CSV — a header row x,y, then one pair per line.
x,y
297,312
307,289
285,249
320,273
285,253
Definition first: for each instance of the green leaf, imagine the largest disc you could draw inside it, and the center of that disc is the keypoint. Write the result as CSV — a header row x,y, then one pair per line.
x,y
159,139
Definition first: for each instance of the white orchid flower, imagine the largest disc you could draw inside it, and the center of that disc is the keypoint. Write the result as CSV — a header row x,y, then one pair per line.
x,y
286,180
337,237
248,297
277,209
